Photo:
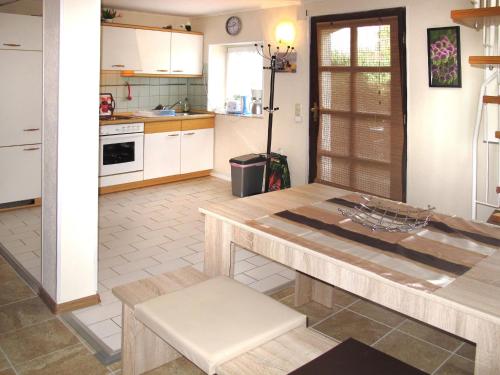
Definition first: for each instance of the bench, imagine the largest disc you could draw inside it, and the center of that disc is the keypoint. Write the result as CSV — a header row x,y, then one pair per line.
x,y
144,350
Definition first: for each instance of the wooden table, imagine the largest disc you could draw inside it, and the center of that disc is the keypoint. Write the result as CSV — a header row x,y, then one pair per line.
x,y
468,307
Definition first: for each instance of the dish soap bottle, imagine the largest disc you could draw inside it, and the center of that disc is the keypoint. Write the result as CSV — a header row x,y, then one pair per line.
x,y
185,105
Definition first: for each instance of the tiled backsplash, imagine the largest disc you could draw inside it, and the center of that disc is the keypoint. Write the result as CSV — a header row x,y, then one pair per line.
x,y
147,93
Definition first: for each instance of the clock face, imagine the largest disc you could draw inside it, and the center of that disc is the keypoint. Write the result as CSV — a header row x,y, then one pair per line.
x,y
233,25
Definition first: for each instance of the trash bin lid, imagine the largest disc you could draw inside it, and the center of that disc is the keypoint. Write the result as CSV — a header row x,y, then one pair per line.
x,y
247,159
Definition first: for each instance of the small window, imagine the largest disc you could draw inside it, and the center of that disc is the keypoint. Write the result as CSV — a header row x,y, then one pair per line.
x,y
234,71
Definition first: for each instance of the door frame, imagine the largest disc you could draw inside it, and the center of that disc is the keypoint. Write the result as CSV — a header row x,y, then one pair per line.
x,y
400,13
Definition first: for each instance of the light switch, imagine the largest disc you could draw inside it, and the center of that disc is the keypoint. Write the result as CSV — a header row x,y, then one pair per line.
x,y
298,112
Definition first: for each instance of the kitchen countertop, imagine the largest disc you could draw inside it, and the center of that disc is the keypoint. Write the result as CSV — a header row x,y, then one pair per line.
x,y
136,119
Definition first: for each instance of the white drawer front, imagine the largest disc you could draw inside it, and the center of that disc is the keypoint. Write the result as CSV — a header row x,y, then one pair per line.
x,y
197,150
20,32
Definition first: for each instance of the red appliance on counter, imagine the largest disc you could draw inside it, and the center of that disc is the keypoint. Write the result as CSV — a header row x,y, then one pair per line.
x,y
106,105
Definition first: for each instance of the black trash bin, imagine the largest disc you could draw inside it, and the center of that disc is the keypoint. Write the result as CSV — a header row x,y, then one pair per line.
x,y
247,172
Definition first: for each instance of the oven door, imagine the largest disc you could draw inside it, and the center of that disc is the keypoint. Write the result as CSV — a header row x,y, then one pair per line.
x,y
121,153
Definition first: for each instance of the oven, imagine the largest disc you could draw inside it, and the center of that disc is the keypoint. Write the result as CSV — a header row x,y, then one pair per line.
x,y
121,149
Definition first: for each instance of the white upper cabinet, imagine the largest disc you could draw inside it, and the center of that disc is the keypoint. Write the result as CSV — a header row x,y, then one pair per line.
x,y
20,97
20,32
120,49
187,54
154,51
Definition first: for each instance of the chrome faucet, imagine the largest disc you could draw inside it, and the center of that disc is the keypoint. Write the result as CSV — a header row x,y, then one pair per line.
x,y
173,105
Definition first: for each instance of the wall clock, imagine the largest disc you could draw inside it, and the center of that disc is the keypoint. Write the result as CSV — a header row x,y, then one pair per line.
x,y
233,25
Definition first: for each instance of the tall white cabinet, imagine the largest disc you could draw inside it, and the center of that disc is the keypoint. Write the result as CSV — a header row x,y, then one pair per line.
x,y
20,107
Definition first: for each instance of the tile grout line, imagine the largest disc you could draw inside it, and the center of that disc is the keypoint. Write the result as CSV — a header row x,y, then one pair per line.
x,y
389,332
28,326
48,354
342,308
8,361
447,358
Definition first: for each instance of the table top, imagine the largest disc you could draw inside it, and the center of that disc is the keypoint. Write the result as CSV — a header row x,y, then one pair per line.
x,y
468,273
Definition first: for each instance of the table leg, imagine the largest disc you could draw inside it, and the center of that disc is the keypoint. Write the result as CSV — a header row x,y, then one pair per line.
x,y
218,247
142,349
308,289
488,352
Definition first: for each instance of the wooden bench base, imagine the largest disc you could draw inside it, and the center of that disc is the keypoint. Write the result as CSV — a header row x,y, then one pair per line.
x,y
143,350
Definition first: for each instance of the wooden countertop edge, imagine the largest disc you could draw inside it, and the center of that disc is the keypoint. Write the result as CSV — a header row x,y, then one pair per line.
x,y
155,119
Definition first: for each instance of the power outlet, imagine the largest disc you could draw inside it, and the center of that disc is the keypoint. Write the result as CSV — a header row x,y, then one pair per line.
x,y
298,112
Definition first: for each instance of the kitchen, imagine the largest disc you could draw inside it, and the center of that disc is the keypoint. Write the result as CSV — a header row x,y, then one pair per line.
x,y
154,172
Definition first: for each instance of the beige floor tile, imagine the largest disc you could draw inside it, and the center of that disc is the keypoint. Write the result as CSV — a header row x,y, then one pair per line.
x,y
468,351
74,360
430,334
7,372
37,340
280,294
347,324
456,366
12,289
24,313
180,366
377,312
417,353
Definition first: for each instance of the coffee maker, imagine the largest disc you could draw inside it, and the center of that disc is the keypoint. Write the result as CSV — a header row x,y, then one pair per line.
x,y
256,107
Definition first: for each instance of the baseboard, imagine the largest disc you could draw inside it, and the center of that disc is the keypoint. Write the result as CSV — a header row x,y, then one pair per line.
x,y
59,308
152,182
221,176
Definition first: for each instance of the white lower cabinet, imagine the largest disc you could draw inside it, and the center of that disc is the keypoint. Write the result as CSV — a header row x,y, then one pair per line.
x,y
20,168
162,152
197,150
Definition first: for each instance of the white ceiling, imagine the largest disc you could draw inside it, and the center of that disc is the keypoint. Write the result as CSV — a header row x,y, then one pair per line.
x,y
196,7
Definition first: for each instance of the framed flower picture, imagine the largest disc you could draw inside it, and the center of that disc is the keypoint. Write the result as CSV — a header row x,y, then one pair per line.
x,y
443,48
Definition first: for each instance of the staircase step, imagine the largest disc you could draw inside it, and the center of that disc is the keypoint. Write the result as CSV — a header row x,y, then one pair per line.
x,y
488,99
497,134
484,60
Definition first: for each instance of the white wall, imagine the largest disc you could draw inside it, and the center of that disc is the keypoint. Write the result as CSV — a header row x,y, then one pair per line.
x,y
440,121
149,19
70,148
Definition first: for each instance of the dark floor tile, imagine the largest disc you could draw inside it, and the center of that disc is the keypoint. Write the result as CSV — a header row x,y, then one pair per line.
x,y
431,334
180,366
377,312
7,372
2,260
13,290
280,294
314,311
468,351
417,353
3,362
347,324
37,340
343,298
456,366
74,360
21,314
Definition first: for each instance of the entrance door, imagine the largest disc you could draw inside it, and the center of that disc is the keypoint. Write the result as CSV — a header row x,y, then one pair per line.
x,y
358,102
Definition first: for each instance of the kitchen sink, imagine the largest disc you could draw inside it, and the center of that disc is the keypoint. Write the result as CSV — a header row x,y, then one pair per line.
x,y
186,113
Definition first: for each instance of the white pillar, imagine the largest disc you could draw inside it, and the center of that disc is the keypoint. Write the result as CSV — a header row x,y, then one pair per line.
x,y
71,71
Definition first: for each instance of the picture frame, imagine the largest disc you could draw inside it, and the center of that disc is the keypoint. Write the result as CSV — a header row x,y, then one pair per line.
x,y
444,59
286,62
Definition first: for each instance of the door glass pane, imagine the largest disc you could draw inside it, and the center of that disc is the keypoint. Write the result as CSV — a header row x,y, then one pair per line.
x,y
117,153
373,91
336,47
374,45
335,91
372,139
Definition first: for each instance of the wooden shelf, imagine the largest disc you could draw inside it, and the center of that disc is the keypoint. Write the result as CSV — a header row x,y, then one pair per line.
x,y
497,134
484,60
488,99
476,17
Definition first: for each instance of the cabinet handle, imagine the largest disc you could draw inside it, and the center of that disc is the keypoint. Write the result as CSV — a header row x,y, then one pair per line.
x,y
31,130
189,133
162,70
12,45
173,135
177,71
31,149
118,66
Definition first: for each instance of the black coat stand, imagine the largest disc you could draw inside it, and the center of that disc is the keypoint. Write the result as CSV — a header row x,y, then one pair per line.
x,y
273,59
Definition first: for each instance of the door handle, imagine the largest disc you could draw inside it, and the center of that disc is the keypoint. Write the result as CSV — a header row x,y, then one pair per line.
x,y
12,45
173,135
118,66
31,149
178,71
315,112
189,133
162,70
31,130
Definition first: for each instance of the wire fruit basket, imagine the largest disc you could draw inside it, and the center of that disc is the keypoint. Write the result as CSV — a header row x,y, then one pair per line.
x,y
376,215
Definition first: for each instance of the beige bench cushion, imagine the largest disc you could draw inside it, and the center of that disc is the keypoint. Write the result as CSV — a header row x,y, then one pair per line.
x,y
217,320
